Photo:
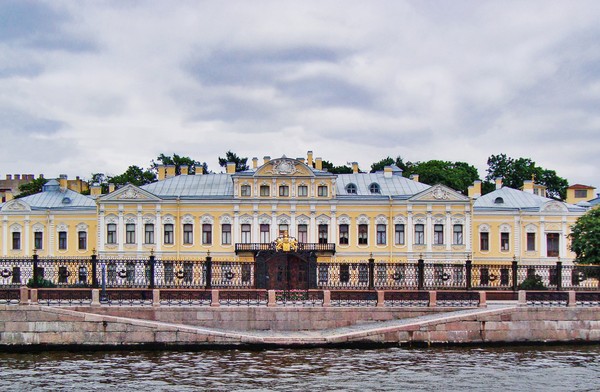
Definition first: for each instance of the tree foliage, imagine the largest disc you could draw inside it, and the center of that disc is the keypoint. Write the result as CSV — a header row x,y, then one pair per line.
x,y
456,175
240,163
585,238
178,161
33,187
515,171
388,161
343,169
134,175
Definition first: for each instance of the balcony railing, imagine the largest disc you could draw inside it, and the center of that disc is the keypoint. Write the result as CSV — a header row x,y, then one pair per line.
x,y
302,246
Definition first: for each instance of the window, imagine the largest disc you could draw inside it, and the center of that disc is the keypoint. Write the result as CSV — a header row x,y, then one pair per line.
x,y
62,240
374,188
531,242
111,233
399,234
265,190
302,191
322,191
363,234
323,229
499,200
246,190
581,193
265,236
206,234
484,241
188,233
457,234
16,240
504,241
246,235
149,233
283,229
168,235
419,234
438,234
226,234
351,189
552,241
303,233
381,235
344,234
82,240
284,190
38,240
130,233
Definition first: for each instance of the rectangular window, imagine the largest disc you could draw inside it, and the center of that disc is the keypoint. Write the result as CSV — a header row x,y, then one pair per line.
x,y
399,234
303,233
484,241
226,234
283,229
16,240
381,235
552,241
284,190
363,234
323,229
504,241
149,233
38,241
188,233
265,236
246,190
457,234
168,234
419,234
531,242
265,190
82,240
62,240
246,234
302,191
438,234
322,191
581,193
130,233
344,240
111,233
206,234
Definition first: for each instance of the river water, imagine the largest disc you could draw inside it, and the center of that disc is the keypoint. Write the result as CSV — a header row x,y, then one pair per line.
x,y
535,368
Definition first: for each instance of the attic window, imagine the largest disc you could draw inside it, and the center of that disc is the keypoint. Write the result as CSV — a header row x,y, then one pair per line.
x,y
374,188
351,189
499,200
66,200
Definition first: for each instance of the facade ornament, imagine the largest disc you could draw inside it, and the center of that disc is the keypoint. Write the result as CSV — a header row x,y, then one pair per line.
x,y
283,167
286,243
16,206
440,194
129,193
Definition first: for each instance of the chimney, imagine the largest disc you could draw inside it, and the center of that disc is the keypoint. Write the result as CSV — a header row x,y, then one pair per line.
x,y
387,172
170,171
184,170
95,190
354,167
199,170
62,179
9,176
111,187
8,195
528,186
414,177
230,167
309,158
319,164
498,182
266,159
17,176
161,172
255,163
475,190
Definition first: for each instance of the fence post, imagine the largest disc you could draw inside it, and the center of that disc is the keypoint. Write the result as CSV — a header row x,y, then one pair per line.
x,y
559,275
151,273
468,271
515,283
35,269
371,272
94,270
208,265
420,274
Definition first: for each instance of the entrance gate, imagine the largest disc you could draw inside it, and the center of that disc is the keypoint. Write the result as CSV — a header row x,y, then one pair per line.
x,y
286,271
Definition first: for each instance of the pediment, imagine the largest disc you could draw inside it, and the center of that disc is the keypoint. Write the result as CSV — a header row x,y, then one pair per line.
x,y
284,167
554,206
130,193
439,193
16,205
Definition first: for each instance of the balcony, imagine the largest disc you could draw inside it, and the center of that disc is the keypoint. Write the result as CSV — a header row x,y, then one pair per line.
x,y
302,246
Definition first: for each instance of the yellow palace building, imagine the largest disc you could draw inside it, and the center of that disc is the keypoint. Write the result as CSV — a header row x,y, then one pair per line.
x,y
337,217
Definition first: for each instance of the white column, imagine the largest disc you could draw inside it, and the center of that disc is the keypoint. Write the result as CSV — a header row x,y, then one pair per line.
x,y
101,232
27,250
429,232
236,227
5,236
51,236
409,232
274,225
517,236
139,230
543,252
563,241
449,232
313,231
120,230
255,228
293,228
332,228
467,240
158,230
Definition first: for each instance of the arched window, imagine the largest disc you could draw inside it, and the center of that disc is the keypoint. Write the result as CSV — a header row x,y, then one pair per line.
x,y
351,189
499,200
374,188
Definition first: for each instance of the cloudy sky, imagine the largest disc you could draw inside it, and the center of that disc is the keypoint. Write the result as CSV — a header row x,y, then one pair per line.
x,y
95,86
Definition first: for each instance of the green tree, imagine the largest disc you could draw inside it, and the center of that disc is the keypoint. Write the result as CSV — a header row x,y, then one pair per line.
x,y
585,238
134,175
515,171
31,188
100,179
178,161
456,175
240,163
406,167
344,169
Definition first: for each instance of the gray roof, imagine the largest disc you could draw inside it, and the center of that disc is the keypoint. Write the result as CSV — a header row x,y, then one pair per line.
x,y
516,200
56,198
190,186
395,186
594,202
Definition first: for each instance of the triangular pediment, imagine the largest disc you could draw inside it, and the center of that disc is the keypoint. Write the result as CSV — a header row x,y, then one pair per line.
x,y
16,205
284,167
130,193
439,193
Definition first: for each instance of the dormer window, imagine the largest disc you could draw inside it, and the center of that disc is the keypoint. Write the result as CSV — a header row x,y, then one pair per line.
x,y
374,188
499,200
351,189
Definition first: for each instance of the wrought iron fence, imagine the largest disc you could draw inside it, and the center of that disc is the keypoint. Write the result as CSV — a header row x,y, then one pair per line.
x,y
353,298
587,298
230,274
244,298
406,298
547,298
9,296
299,298
15,272
126,297
59,297
189,274
185,297
457,298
